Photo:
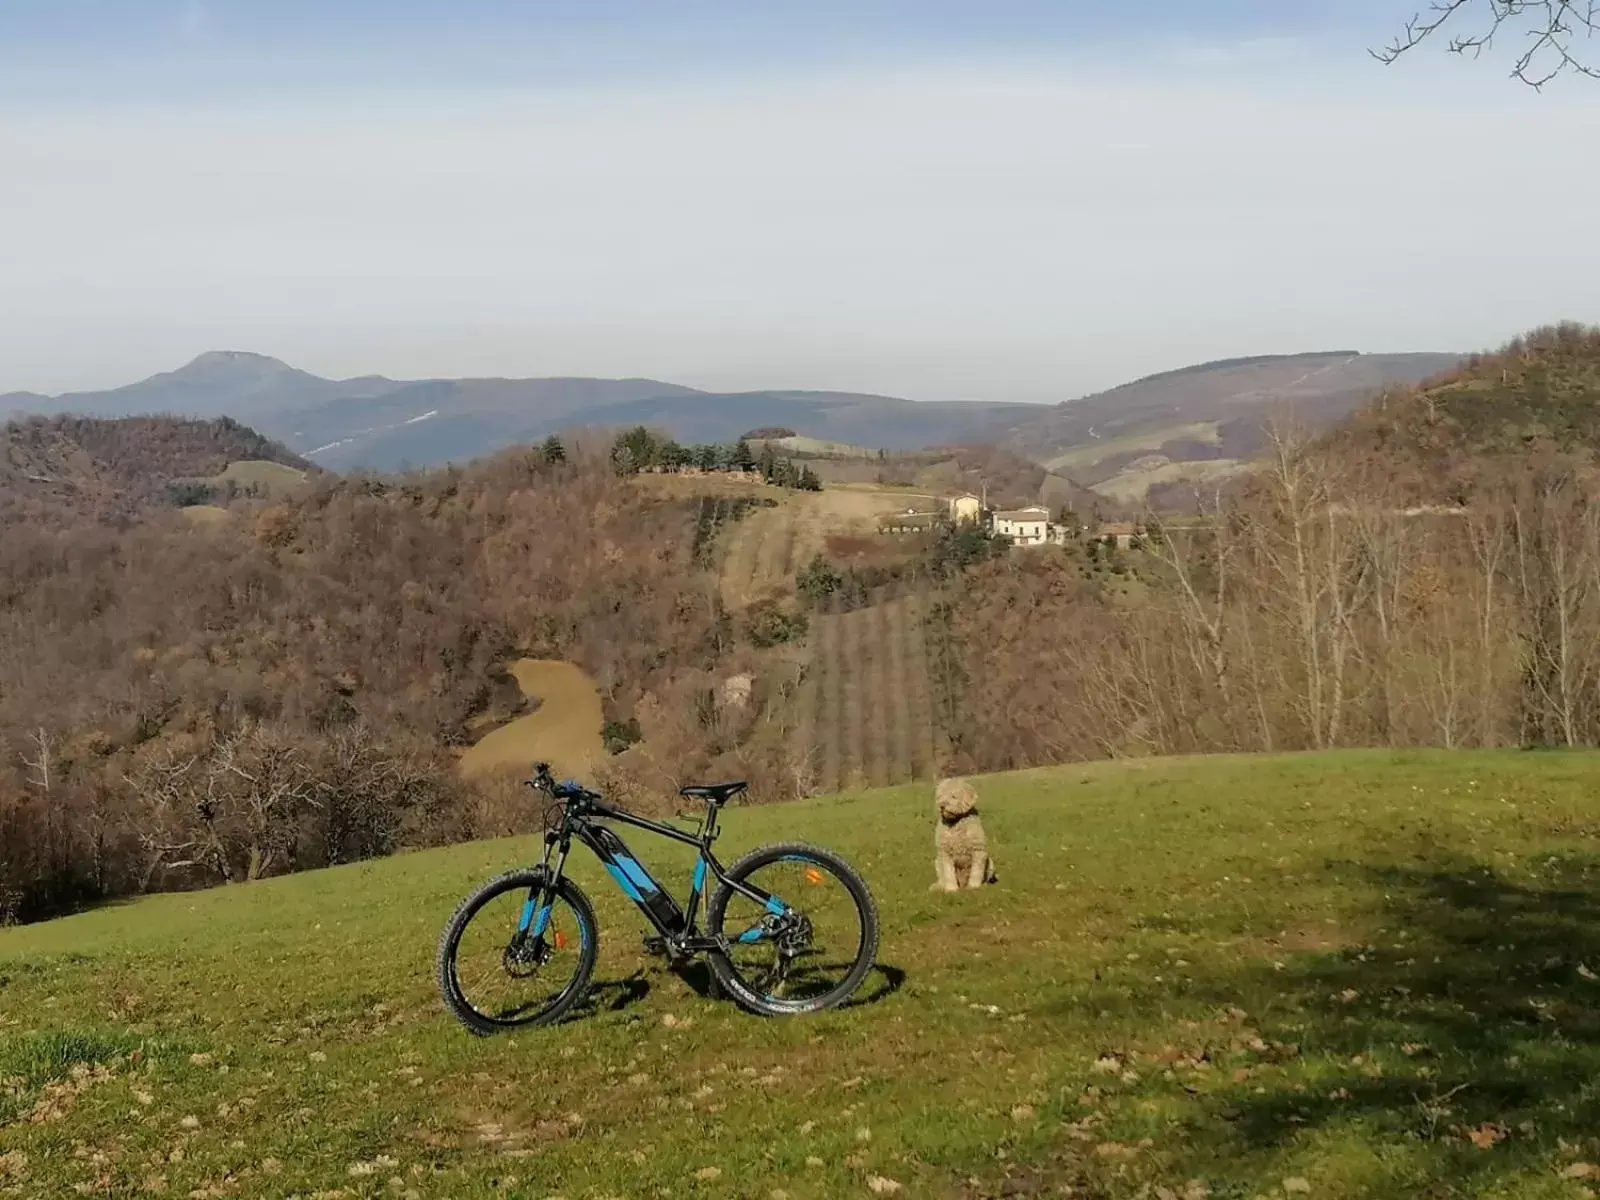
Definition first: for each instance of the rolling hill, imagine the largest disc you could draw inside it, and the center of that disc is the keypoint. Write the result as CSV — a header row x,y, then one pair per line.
x,y
109,467
1205,419
1444,437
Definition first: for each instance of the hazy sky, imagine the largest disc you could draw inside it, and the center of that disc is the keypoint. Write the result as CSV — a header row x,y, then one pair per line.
x,y
993,199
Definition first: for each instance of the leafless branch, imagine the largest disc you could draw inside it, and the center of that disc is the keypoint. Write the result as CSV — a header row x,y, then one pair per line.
x,y
1551,30
41,761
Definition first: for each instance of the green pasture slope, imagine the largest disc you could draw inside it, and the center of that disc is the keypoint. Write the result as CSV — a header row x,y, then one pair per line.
x,y
1350,975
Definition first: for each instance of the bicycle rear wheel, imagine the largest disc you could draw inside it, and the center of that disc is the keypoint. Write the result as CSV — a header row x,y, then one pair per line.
x,y
807,948
506,963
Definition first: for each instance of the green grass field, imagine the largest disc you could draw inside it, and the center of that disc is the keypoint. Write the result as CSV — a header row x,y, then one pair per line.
x,y
1091,452
1352,975
275,477
267,477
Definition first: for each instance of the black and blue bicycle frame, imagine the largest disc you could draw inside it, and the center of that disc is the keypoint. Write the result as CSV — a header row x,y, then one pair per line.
x,y
676,925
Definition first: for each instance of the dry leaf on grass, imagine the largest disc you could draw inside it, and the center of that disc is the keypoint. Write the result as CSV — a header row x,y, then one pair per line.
x,y
1486,1135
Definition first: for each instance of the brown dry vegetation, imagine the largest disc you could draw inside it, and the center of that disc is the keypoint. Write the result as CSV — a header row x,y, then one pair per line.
x,y
185,704
58,467
860,710
763,553
1446,440
867,709
1312,609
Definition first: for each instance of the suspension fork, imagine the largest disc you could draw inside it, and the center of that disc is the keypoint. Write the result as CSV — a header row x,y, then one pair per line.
x,y
541,900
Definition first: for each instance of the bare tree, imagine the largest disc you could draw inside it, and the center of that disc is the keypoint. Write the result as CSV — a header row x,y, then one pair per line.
x,y
1439,641
1550,30
361,795
1201,563
267,787
41,762
171,792
801,767
1315,578
1488,535
1556,540
234,811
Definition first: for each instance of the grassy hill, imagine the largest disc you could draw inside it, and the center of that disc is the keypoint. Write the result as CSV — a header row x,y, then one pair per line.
x,y
1203,420
256,477
1351,975
1009,479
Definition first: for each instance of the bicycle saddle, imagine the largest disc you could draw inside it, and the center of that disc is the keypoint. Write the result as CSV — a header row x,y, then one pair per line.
x,y
716,793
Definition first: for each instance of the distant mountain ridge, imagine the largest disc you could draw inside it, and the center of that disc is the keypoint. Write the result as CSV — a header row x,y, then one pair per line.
x,y
377,423
1210,412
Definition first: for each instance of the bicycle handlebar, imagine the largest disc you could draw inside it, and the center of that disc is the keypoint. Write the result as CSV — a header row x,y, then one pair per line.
x,y
567,789
570,789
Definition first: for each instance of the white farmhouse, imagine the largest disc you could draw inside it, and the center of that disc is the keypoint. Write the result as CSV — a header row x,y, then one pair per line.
x,y
1024,526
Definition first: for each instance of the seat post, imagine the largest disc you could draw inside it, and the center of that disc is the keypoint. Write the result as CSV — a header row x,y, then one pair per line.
x,y
712,808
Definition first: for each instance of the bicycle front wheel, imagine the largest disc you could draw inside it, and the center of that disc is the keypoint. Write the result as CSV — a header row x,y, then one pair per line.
x,y
513,957
801,929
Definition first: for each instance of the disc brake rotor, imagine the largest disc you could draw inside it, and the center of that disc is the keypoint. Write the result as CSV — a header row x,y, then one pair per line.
x,y
523,957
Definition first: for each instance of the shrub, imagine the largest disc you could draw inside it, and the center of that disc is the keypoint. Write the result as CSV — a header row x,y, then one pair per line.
x,y
619,735
769,624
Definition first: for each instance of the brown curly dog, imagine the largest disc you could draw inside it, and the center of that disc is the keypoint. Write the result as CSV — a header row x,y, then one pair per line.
x,y
963,850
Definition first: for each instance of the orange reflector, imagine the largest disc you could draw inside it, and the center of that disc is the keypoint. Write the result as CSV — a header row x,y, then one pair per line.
x,y
561,940
813,875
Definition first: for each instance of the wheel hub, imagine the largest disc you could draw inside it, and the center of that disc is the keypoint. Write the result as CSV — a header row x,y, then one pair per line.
x,y
524,956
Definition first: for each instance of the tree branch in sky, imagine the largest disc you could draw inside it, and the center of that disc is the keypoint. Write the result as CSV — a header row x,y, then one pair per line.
x,y
1551,31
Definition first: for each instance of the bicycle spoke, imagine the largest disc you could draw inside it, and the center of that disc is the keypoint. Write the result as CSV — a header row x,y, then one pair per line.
x,y
503,973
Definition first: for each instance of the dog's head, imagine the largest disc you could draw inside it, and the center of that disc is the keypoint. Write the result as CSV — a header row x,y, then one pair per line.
x,y
955,799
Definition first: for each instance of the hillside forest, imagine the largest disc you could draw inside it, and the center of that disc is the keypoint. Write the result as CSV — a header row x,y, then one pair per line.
x,y
187,703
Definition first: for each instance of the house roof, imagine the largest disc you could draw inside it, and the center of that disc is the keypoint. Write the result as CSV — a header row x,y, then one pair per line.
x,y
1024,514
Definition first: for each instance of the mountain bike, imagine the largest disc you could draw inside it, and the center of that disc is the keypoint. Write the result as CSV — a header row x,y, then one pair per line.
x,y
790,929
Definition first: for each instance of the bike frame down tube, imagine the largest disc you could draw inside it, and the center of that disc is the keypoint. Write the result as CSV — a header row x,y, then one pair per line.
x,y
637,883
